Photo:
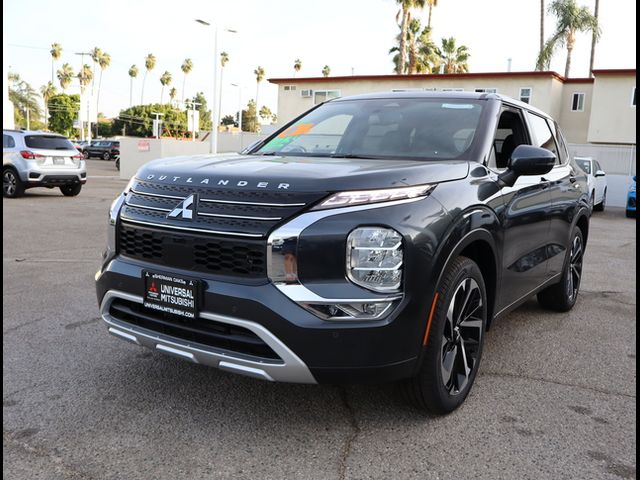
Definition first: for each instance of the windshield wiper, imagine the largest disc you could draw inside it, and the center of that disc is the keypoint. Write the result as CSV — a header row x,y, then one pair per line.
x,y
352,155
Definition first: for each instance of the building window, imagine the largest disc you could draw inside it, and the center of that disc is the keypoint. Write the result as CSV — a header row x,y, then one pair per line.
x,y
577,102
320,96
289,88
486,90
633,97
525,94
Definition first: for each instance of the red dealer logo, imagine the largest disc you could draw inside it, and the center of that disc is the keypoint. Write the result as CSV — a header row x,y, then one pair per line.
x,y
153,288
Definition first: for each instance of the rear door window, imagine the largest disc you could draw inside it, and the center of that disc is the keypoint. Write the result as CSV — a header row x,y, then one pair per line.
x,y
48,142
8,141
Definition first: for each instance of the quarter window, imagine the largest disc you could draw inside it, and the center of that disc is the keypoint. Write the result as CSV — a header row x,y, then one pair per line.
x,y
320,96
8,141
577,102
525,94
542,135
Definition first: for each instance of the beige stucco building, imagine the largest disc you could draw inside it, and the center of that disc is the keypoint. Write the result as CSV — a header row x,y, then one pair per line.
x,y
590,110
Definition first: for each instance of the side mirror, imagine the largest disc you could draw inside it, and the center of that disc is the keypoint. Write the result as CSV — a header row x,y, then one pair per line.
x,y
527,160
600,173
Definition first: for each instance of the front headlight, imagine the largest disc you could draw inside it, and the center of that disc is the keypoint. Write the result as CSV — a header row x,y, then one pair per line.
x,y
362,197
375,258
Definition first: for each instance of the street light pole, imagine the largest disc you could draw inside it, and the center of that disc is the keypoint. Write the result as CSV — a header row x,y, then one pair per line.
x,y
82,54
216,97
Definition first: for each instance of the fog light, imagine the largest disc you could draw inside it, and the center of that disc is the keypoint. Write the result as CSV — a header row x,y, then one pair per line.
x,y
374,258
351,311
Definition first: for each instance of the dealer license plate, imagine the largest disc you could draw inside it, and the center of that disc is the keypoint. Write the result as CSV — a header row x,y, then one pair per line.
x,y
170,294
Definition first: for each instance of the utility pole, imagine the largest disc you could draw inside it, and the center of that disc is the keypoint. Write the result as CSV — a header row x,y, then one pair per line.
x,y
81,120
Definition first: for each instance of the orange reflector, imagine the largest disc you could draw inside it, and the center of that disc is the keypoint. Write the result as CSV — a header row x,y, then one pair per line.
x,y
431,314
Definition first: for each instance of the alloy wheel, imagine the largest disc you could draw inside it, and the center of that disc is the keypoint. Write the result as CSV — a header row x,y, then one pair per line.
x,y
574,273
9,183
462,336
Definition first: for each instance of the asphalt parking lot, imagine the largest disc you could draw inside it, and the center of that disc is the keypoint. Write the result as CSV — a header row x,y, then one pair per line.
x,y
555,397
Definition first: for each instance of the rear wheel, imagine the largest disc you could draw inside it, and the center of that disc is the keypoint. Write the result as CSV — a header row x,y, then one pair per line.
x,y
12,186
106,156
599,207
71,190
454,344
85,154
562,296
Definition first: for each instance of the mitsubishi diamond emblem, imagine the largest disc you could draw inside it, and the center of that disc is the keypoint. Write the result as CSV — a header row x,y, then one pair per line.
x,y
184,209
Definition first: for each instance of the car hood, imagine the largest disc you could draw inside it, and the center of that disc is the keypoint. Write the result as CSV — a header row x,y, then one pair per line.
x,y
302,174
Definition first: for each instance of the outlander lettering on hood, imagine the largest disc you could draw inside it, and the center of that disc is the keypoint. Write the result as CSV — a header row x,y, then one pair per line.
x,y
218,182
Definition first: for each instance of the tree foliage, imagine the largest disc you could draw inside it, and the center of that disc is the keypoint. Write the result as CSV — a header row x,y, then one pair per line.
x,y
326,71
228,120
455,58
137,121
24,97
63,110
250,118
570,19
65,76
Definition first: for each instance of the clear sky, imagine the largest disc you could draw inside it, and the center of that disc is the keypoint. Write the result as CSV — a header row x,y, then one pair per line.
x,y
351,36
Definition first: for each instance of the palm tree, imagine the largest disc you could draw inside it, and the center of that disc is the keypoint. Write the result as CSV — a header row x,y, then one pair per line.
x,y
85,75
412,48
224,59
133,73
149,64
431,4
594,38
541,31
65,76
326,71
173,93
570,19
297,65
429,55
47,91
95,53
259,73
186,68
165,80
56,53
405,14
454,58
104,61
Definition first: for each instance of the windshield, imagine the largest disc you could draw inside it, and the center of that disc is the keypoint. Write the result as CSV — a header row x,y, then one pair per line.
x,y
404,128
585,165
48,142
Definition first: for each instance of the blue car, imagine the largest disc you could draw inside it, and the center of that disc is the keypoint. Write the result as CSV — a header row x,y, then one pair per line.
x,y
631,199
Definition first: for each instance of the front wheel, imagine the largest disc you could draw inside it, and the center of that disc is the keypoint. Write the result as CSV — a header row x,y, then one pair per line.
x,y
453,342
562,296
71,190
599,207
106,156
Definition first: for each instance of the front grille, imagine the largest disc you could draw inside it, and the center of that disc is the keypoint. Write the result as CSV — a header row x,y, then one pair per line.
x,y
219,335
194,252
225,211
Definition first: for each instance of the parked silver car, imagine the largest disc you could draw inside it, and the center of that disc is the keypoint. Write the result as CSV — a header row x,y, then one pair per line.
x,y
40,159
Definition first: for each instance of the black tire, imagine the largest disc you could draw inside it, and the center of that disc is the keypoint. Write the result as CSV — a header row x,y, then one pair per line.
x,y
562,296
592,200
118,163
85,154
460,346
106,156
630,213
71,190
599,207
12,186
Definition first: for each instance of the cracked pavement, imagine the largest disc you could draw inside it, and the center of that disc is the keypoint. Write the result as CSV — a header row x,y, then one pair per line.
x,y
555,396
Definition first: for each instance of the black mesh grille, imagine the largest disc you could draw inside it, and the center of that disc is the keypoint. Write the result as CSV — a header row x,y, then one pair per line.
x,y
219,335
194,252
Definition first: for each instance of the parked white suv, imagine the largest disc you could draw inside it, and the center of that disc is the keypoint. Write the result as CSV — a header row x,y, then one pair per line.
x,y
596,181
40,159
